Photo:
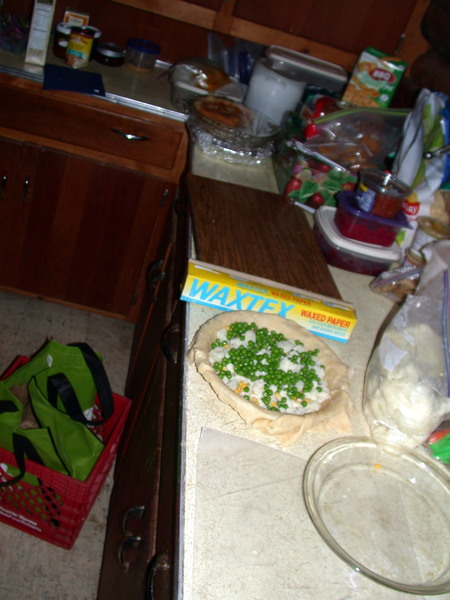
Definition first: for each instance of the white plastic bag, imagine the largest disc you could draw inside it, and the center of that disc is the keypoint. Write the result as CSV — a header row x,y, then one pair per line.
x,y
425,129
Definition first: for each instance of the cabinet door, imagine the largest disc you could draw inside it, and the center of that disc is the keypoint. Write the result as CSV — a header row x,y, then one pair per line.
x,y
162,571
12,209
155,317
85,229
130,541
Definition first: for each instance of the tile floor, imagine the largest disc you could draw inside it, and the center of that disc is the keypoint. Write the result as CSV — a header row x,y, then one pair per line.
x,y
31,568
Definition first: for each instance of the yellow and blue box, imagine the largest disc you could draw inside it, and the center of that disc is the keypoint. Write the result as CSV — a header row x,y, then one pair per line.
x,y
227,290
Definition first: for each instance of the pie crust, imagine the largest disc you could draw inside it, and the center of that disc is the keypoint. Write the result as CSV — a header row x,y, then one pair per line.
x,y
223,111
286,427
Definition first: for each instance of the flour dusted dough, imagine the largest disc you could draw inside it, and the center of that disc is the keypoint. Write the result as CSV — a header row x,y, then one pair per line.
x,y
287,428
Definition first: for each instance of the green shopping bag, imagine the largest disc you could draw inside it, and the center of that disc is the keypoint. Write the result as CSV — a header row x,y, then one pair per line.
x,y
63,383
34,444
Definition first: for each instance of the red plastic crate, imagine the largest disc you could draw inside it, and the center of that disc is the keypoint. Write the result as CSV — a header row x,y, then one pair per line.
x,y
56,510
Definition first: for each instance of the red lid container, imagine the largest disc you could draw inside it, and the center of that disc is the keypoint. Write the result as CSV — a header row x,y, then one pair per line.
x,y
366,227
380,193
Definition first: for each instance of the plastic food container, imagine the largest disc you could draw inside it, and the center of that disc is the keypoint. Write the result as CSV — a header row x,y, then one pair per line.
x,y
365,227
141,54
109,54
279,79
308,68
273,92
348,254
380,193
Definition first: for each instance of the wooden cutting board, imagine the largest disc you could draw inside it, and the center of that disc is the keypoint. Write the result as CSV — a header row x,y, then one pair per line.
x,y
257,233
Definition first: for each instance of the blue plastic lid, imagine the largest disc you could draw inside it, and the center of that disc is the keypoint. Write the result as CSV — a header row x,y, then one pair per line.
x,y
144,46
347,199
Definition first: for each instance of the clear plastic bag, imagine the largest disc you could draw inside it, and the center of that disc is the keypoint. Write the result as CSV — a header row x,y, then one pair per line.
x,y
397,284
407,384
359,137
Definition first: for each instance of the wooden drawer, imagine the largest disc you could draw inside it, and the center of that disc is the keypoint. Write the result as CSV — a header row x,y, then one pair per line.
x,y
99,129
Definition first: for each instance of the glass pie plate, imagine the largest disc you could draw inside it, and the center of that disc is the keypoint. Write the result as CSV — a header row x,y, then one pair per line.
x,y
384,511
255,130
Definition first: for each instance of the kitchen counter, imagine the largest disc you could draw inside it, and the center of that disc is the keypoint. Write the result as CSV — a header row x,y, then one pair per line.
x,y
149,92
252,553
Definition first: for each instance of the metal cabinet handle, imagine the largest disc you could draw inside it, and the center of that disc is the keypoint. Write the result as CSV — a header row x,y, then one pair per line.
x,y
131,542
130,136
160,562
170,352
134,512
164,197
154,275
26,185
3,185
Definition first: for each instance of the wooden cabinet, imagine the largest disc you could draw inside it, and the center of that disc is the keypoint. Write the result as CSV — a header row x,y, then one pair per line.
x,y
86,191
139,560
334,33
76,230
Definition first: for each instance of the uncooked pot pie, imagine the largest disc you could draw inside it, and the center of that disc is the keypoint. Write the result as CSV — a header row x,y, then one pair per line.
x,y
331,412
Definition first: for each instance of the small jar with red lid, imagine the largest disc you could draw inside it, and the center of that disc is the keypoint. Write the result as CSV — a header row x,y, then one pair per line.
x,y
380,193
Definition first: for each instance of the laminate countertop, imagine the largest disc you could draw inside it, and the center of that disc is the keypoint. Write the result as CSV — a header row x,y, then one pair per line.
x,y
245,532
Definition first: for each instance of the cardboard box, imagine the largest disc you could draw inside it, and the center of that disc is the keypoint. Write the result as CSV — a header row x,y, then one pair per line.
x,y
374,79
228,290
40,28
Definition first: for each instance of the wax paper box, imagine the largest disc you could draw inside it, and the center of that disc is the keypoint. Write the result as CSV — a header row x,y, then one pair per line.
x,y
229,290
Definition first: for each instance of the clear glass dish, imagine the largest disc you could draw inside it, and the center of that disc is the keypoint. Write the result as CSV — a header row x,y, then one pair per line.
x,y
254,131
383,510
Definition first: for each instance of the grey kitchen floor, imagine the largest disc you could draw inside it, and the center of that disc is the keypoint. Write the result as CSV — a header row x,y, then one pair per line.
x,y
29,567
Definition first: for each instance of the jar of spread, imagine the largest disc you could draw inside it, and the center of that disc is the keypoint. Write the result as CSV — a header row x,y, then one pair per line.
x,y
79,47
380,193
61,39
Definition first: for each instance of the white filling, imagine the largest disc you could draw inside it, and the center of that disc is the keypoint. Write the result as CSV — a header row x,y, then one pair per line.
x,y
254,390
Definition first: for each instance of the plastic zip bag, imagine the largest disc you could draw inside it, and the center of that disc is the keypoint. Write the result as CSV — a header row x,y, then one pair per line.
x,y
407,384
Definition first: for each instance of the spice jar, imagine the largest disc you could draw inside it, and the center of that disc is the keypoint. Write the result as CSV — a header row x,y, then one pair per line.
x,y
61,39
109,54
79,47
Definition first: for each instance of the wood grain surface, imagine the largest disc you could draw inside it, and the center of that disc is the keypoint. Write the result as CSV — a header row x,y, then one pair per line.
x,y
257,233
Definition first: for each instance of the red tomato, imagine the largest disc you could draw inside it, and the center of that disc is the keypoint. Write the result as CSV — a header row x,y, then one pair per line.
x,y
292,184
311,130
316,200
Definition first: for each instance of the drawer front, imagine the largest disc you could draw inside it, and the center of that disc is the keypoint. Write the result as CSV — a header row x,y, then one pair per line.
x,y
53,118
